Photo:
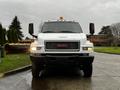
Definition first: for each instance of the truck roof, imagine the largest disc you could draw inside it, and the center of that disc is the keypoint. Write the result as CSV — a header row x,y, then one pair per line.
x,y
61,21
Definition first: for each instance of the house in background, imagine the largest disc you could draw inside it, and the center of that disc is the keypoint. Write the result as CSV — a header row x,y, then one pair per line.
x,y
107,39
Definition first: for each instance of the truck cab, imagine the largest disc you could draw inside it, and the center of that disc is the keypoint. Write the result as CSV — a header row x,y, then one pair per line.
x,y
61,43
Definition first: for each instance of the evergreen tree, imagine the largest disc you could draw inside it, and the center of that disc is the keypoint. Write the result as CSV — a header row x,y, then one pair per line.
x,y
2,40
2,35
9,36
14,33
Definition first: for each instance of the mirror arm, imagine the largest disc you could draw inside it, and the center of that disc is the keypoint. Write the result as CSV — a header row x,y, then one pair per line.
x,y
34,36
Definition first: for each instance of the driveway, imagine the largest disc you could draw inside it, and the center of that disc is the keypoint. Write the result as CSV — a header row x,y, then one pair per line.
x,y
106,76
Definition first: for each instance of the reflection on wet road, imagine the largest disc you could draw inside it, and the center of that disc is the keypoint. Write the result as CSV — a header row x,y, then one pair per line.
x,y
106,76
67,79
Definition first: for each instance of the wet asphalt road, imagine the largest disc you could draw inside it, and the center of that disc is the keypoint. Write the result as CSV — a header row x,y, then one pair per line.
x,y
106,76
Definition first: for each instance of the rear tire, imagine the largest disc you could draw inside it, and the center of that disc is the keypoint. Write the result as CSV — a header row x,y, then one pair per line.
x,y
87,69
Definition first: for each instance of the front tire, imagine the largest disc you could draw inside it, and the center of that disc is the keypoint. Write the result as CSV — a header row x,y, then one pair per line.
x,y
36,70
87,69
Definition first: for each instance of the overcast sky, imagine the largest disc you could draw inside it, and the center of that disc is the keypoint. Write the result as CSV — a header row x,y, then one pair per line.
x,y
100,12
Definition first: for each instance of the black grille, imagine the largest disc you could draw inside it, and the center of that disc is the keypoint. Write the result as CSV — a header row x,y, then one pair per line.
x,y
62,45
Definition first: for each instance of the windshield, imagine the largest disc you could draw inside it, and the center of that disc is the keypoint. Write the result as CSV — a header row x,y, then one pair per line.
x,y
61,27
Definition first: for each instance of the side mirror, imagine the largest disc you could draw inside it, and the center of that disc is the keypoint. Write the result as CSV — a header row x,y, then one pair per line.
x,y
92,28
31,30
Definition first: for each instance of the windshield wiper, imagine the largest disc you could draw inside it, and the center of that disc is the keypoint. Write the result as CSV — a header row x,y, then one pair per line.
x,y
66,31
48,32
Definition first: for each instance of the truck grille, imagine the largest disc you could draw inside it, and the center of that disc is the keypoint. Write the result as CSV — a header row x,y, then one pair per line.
x,y
62,46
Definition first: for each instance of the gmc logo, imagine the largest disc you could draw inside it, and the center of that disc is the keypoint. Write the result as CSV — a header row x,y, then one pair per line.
x,y
62,45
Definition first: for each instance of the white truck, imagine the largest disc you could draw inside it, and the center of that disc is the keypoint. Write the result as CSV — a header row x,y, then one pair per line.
x,y
61,43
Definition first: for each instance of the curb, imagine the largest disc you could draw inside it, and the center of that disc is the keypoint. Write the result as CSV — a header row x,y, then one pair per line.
x,y
109,53
24,68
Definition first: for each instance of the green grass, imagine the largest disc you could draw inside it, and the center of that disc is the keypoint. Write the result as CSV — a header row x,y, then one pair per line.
x,y
14,61
111,50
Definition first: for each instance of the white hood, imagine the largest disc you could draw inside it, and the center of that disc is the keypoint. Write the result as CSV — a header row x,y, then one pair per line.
x,y
61,36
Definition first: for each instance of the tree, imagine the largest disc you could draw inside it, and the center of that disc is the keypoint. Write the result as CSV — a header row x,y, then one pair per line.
x,y
12,36
2,39
2,35
105,30
14,33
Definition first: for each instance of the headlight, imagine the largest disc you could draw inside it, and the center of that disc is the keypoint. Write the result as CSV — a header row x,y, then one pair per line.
x,y
90,49
87,48
33,48
38,48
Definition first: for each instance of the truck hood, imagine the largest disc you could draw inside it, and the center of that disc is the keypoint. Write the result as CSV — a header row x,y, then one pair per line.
x,y
61,36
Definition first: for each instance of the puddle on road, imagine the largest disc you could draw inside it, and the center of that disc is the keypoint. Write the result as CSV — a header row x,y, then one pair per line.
x,y
66,80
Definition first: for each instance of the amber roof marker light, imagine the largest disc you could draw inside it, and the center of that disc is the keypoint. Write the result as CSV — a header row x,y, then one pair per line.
x,y
61,18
